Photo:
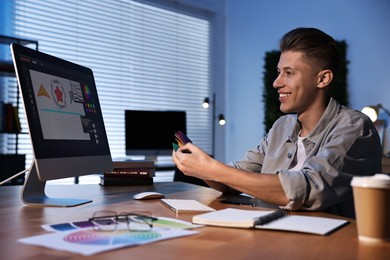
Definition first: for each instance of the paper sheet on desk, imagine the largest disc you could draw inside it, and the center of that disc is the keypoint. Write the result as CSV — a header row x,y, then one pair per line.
x,y
162,222
78,236
88,242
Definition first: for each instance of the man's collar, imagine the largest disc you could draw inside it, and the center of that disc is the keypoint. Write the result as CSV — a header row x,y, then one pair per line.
x,y
331,111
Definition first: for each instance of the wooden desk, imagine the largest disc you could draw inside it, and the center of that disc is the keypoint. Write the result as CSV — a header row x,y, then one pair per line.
x,y
20,221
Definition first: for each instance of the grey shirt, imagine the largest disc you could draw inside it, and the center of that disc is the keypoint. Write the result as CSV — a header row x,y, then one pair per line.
x,y
344,144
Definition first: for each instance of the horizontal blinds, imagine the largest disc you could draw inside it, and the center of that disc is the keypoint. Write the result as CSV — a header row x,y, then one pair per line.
x,y
143,57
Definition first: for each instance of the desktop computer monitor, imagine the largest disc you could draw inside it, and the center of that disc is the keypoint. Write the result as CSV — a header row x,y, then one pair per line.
x,y
151,133
65,122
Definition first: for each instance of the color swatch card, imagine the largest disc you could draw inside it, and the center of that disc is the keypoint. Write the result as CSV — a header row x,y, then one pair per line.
x,y
181,140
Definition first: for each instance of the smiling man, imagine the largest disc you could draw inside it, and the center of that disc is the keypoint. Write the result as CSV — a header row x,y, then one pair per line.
x,y
308,159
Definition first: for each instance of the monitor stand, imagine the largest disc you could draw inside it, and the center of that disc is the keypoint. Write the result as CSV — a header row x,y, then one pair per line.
x,y
33,193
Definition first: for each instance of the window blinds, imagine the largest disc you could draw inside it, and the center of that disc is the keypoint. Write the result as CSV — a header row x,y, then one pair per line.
x,y
144,57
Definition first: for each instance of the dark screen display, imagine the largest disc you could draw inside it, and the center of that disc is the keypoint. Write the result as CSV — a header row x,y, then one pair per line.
x,y
152,132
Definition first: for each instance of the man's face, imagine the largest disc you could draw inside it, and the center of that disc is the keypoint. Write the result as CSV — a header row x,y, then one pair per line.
x,y
296,83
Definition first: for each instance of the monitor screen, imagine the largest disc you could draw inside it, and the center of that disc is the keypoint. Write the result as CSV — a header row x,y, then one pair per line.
x,y
151,133
63,114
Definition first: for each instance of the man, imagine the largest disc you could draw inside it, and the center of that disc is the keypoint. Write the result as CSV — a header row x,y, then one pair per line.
x,y
308,158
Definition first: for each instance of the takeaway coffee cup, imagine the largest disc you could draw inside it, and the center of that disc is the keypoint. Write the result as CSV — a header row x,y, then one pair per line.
x,y
372,207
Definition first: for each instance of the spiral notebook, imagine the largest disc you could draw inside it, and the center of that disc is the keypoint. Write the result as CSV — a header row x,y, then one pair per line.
x,y
272,220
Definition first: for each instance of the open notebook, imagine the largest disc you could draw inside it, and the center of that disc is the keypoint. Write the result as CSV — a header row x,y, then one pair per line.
x,y
273,220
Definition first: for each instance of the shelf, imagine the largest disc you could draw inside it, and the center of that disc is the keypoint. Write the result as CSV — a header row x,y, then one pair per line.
x,y
8,66
9,39
7,69
14,133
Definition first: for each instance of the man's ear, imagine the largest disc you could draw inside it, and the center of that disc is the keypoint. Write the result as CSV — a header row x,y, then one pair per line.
x,y
324,78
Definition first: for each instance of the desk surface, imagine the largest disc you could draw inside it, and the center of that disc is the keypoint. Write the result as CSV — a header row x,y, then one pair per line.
x,y
20,221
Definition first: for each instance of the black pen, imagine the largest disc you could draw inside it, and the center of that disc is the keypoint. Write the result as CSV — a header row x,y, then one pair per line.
x,y
269,217
225,201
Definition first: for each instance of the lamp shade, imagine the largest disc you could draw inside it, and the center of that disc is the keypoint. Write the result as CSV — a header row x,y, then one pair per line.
x,y
221,120
371,112
206,103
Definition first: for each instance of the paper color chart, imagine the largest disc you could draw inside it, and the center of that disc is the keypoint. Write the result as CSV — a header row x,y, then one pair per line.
x,y
90,237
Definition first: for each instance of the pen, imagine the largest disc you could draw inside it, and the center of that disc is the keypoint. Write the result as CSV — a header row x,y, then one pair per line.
x,y
269,217
238,202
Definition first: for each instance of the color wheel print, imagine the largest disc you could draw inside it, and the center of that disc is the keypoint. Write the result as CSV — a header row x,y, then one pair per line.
x,y
90,237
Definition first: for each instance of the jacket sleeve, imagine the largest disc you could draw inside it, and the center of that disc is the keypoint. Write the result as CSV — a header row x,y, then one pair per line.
x,y
253,160
350,147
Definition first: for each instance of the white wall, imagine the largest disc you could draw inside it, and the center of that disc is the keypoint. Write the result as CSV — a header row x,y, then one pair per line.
x,y
254,27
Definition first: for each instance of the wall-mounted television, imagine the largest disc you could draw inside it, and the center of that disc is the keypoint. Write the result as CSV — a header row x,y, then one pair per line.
x,y
151,133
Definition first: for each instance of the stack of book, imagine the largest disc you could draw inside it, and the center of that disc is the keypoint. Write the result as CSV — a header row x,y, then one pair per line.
x,y
134,172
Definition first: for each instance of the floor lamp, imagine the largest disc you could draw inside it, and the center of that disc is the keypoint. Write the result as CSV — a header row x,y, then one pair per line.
x,y
221,119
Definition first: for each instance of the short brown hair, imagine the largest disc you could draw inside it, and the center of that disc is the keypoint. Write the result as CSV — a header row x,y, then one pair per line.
x,y
319,48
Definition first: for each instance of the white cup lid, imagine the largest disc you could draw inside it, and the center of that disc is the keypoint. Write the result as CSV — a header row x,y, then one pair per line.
x,y
381,181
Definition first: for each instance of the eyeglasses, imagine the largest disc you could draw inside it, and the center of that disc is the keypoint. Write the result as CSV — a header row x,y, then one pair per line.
x,y
133,221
